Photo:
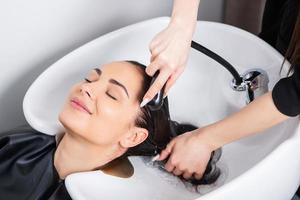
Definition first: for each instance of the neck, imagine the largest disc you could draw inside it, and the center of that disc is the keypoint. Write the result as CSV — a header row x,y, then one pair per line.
x,y
74,154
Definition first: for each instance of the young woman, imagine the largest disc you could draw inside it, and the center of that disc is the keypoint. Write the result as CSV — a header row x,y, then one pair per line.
x,y
103,125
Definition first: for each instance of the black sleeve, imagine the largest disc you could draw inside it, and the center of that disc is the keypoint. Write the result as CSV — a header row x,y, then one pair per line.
x,y
286,94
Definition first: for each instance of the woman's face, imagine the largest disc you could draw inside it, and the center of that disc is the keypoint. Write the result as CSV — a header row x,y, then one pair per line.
x,y
111,97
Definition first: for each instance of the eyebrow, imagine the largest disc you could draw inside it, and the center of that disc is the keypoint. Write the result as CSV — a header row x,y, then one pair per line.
x,y
113,81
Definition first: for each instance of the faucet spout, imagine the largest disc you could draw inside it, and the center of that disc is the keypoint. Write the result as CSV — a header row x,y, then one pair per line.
x,y
254,81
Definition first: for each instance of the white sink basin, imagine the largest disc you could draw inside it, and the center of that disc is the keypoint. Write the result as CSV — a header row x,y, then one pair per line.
x,y
261,167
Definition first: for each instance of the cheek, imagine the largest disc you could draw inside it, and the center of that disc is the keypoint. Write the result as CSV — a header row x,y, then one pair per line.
x,y
110,125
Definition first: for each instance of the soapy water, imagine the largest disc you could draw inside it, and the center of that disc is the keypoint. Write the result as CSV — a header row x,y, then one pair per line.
x,y
175,181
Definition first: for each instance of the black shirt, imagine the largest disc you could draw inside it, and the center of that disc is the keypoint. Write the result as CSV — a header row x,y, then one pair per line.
x,y
277,27
286,94
27,169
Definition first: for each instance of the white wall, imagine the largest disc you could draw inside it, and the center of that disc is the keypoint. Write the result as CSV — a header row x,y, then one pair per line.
x,y
35,33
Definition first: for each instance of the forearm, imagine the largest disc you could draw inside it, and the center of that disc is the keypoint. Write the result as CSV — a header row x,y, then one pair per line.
x,y
255,117
185,13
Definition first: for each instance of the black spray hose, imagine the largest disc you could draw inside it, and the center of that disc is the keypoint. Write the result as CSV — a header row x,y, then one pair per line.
x,y
219,59
157,101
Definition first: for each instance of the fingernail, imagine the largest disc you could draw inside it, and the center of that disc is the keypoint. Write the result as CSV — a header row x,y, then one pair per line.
x,y
155,158
144,102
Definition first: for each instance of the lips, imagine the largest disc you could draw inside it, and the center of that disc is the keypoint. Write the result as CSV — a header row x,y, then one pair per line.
x,y
80,104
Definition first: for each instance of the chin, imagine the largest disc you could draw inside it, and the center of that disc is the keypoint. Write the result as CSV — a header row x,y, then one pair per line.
x,y
72,123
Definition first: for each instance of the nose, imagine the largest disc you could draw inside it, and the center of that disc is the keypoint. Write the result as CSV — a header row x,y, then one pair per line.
x,y
85,89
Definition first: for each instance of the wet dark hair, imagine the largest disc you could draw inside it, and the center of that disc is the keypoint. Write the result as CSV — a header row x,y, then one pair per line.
x,y
161,129
158,123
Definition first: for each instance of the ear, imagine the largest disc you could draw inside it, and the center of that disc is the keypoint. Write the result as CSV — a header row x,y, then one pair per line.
x,y
134,137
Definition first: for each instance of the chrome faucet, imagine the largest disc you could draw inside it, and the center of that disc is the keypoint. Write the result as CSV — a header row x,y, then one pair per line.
x,y
254,81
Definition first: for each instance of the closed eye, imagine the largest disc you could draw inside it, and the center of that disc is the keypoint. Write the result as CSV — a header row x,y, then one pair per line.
x,y
112,97
87,80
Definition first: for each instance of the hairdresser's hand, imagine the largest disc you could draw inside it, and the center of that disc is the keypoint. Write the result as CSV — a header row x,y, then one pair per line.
x,y
188,153
169,53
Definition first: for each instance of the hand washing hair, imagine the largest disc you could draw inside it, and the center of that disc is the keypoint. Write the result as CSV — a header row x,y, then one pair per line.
x,y
162,129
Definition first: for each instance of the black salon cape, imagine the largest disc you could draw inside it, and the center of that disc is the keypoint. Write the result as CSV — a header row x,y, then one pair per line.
x,y
26,167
